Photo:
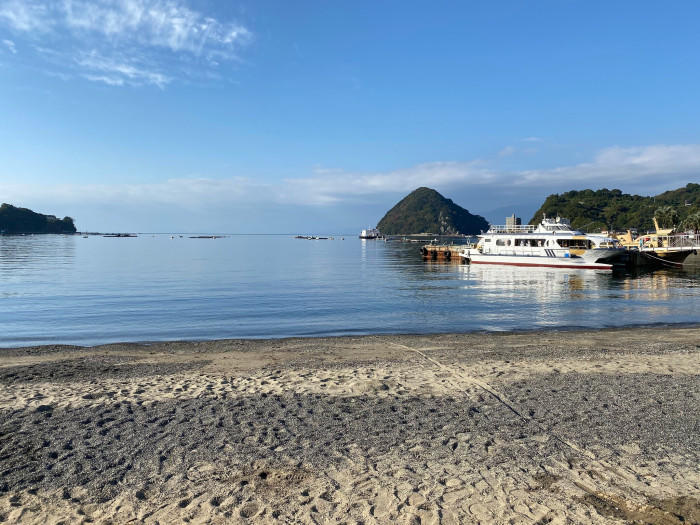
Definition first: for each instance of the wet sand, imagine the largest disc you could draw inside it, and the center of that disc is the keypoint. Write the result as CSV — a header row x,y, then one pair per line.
x,y
541,427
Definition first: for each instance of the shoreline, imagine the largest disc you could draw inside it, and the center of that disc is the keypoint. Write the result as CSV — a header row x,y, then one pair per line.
x,y
596,426
523,331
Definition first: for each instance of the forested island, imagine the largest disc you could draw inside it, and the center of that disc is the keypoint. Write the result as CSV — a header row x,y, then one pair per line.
x,y
426,211
14,220
605,209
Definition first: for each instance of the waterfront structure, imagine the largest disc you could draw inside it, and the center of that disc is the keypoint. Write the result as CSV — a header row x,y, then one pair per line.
x,y
552,243
661,248
512,221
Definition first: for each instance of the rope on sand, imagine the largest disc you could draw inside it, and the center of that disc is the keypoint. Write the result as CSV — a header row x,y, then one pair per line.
x,y
501,398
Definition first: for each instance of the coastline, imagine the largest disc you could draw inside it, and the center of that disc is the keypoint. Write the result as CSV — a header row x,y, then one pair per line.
x,y
552,425
51,347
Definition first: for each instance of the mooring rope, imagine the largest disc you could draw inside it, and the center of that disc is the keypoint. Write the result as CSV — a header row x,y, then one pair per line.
x,y
664,261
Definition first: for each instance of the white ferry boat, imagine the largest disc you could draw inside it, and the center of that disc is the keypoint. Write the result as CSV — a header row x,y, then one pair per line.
x,y
370,233
552,243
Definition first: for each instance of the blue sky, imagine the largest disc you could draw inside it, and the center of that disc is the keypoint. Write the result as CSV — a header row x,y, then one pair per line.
x,y
167,115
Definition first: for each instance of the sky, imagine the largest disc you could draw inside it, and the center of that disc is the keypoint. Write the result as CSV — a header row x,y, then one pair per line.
x,y
317,117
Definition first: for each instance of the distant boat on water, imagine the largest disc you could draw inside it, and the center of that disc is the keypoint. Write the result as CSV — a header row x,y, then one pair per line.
x,y
370,233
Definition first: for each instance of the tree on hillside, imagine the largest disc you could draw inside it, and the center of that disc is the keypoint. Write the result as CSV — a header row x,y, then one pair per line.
x,y
588,209
666,216
692,222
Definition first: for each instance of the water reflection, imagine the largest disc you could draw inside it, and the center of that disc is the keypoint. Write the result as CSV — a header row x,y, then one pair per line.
x,y
22,251
538,284
26,258
87,291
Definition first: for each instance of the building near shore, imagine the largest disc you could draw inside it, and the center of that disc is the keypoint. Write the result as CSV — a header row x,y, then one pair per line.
x,y
513,221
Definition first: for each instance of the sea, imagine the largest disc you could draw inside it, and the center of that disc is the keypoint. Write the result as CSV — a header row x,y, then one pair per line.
x,y
58,289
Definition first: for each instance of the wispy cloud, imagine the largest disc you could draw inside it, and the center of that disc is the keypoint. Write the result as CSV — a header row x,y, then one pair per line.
x,y
161,23
331,186
644,170
507,151
137,41
10,46
117,73
25,15
110,81
648,166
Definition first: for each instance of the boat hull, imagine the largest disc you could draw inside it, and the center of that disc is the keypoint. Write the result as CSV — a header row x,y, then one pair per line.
x,y
535,261
659,257
604,255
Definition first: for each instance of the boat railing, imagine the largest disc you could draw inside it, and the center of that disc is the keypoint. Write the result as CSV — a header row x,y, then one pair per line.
x,y
527,251
670,241
519,228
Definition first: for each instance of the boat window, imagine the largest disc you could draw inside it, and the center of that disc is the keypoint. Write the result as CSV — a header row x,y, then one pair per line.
x,y
508,242
500,242
487,240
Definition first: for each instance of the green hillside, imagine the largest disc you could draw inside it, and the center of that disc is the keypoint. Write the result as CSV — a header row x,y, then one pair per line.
x,y
426,211
604,209
23,220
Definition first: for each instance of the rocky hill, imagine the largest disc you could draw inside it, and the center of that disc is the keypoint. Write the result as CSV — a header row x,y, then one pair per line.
x,y
426,211
603,209
22,220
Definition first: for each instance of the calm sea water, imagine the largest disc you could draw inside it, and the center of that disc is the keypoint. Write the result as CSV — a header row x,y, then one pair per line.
x,y
74,290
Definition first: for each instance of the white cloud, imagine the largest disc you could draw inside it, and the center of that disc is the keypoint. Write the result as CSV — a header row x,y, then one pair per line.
x,y
24,15
141,38
330,186
643,170
118,73
650,166
162,23
532,139
10,45
197,192
507,151
110,81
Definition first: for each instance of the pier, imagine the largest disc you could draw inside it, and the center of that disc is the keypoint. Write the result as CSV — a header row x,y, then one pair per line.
x,y
442,252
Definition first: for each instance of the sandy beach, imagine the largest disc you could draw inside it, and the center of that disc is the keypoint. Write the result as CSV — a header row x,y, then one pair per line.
x,y
539,427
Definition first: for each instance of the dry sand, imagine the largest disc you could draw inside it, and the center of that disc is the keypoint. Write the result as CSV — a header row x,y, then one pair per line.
x,y
546,427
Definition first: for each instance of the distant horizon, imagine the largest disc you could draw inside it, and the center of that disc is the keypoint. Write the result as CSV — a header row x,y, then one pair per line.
x,y
312,230
338,232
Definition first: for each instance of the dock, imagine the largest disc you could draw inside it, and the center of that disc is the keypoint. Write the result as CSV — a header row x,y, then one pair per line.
x,y
442,252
